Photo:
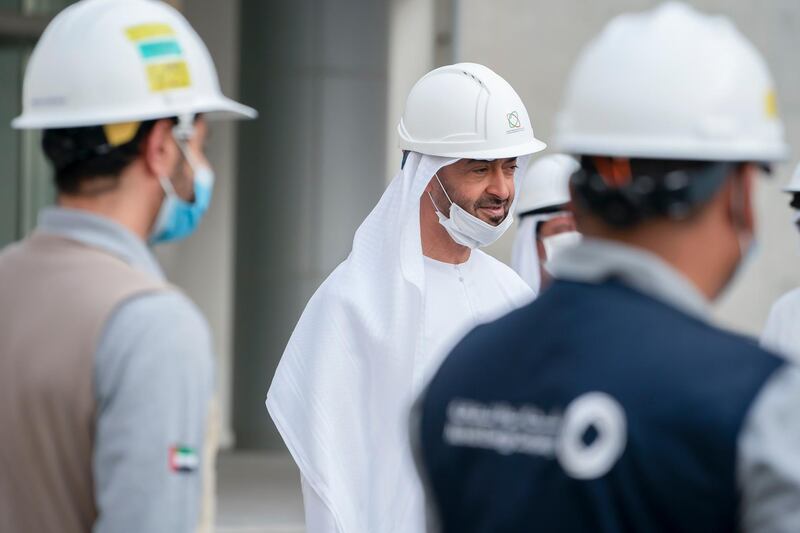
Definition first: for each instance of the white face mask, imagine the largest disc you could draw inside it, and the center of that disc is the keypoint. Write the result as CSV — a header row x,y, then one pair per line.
x,y
556,244
466,229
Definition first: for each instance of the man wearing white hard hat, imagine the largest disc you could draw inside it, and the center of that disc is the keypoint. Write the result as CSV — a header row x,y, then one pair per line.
x,y
412,285
781,332
629,410
546,225
105,368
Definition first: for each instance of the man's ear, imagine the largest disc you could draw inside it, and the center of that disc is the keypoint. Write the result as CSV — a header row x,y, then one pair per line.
x,y
159,150
749,175
740,195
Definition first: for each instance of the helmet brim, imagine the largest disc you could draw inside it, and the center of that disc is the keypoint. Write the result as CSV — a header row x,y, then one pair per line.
x,y
528,148
217,108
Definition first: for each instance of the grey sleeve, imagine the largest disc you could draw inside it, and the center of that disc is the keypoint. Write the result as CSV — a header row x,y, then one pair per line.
x,y
769,457
153,385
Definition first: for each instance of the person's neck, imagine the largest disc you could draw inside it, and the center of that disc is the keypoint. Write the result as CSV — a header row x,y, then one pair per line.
x,y
436,242
113,205
706,267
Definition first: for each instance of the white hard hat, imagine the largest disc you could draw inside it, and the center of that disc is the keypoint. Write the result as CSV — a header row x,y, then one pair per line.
x,y
671,83
546,183
114,61
466,111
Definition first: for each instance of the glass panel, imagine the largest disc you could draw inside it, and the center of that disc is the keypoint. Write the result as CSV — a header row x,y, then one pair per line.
x,y
10,69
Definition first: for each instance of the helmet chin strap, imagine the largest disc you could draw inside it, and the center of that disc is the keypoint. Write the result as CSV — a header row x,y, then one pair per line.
x,y
183,132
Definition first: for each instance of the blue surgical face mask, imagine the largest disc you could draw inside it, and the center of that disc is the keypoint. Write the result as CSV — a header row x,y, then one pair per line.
x,y
177,218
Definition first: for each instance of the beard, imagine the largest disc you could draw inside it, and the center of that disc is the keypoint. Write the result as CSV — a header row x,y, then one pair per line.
x,y
474,207
489,201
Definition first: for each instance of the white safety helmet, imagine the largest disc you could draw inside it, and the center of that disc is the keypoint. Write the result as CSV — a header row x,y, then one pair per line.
x,y
466,111
546,183
671,83
102,62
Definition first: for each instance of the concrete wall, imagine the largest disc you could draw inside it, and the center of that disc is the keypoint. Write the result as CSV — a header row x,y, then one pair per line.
x,y
533,44
410,55
311,169
421,37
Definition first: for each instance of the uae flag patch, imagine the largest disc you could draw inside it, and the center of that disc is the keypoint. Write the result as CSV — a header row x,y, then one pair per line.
x,y
183,459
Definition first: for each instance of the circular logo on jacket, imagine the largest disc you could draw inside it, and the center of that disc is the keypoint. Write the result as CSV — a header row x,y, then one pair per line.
x,y
593,436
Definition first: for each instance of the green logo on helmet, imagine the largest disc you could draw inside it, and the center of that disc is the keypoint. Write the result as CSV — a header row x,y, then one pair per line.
x,y
513,120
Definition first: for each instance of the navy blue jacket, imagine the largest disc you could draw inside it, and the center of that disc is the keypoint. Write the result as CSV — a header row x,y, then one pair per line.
x,y
493,418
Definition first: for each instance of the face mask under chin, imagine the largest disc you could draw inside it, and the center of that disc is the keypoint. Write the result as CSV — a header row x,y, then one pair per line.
x,y
467,229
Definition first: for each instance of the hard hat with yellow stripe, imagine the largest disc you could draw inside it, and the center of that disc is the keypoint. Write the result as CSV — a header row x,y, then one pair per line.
x,y
116,63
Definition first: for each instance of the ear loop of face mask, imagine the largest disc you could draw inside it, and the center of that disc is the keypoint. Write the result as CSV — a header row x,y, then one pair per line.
x,y
747,250
183,132
179,218
436,207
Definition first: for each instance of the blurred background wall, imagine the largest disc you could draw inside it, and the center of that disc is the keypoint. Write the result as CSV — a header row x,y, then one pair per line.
x,y
330,79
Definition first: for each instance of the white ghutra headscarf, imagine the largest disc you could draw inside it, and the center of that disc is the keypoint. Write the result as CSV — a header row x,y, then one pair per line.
x,y
341,395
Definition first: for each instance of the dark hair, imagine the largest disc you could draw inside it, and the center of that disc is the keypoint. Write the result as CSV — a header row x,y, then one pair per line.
x,y
550,209
646,188
81,154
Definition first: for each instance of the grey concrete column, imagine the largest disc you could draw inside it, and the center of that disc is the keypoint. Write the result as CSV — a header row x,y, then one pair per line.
x,y
311,168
